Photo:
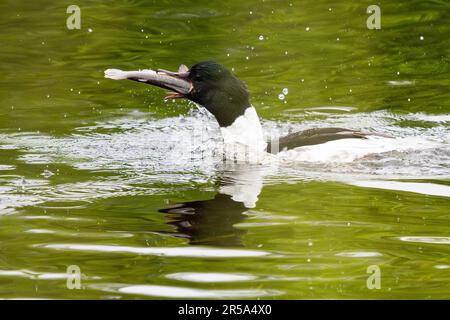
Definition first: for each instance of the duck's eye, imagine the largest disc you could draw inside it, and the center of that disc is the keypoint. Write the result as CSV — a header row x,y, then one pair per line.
x,y
198,77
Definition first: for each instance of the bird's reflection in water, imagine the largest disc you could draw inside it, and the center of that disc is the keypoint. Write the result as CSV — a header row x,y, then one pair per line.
x,y
212,222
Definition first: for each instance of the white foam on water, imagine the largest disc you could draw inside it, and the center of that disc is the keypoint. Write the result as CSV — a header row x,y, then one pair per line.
x,y
441,118
139,152
349,150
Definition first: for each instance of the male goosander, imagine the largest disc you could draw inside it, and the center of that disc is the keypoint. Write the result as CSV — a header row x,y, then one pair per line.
x,y
214,87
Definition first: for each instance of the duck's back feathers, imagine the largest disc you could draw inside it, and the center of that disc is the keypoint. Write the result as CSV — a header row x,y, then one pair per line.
x,y
313,137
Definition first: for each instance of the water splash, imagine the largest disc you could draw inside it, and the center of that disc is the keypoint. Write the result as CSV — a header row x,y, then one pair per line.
x,y
138,153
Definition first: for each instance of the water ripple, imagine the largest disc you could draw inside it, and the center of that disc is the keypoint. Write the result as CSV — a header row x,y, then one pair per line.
x,y
210,277
359,254
423,239
195,252
30,274
416,187
82,234
183,292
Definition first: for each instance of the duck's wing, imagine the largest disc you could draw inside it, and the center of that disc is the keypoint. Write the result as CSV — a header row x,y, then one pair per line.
x,y
312,137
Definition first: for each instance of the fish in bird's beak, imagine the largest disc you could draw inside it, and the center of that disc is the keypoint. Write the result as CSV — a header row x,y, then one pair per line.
x,y
182,74
177,82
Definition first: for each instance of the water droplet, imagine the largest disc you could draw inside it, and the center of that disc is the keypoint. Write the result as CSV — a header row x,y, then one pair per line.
x,y
261,37
285,91
281,96
285,52
409,99
228,54
303,80
90,30
337,39
350,90
251,12
421,37
310,244
329,9
47,174
398,73
309,260
246,58
307,28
